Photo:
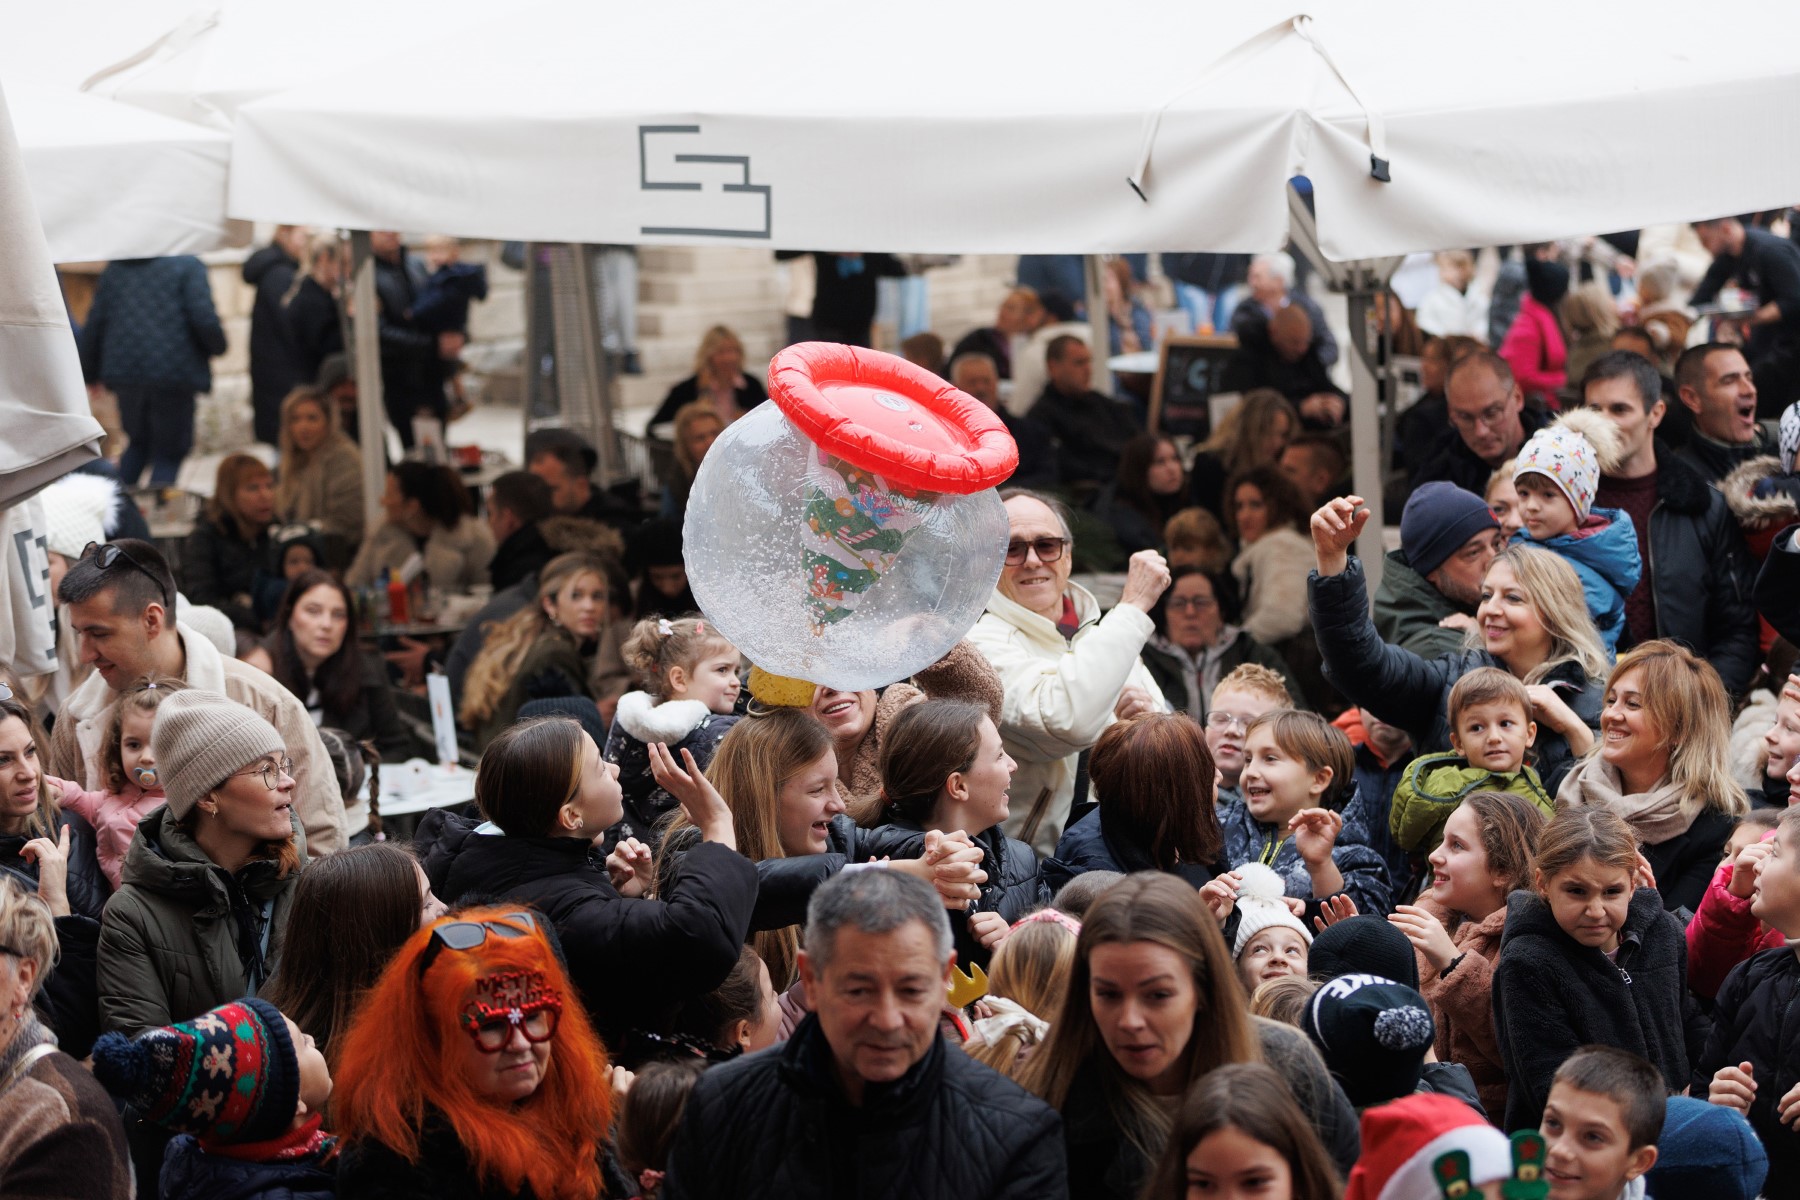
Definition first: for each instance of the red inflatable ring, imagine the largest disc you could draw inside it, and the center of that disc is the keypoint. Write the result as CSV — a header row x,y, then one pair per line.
x,y
886,415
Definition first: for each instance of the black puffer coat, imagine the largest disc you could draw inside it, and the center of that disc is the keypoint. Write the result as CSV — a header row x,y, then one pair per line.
x,y
777,1124
1413,693
69,1001
1700,571
784,885
369,1170
1553,995
632,960
1014,884
1087,845
1757,1020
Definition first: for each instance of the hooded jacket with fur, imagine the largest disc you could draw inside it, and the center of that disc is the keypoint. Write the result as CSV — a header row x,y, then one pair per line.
x,y
640,720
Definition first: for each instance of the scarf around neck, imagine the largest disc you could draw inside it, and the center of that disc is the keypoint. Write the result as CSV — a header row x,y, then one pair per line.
x,y
1658,815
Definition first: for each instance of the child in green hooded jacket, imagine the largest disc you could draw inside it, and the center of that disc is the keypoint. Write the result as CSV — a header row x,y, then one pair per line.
x,y
1491,728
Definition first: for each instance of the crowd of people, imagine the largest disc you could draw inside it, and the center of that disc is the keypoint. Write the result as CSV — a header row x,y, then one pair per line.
x,y
1250,883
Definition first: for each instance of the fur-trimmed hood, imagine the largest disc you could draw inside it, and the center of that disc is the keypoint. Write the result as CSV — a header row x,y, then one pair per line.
x,y
670,721
1777,505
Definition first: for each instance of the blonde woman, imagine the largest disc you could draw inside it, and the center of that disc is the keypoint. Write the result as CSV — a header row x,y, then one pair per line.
x,y
1251,435
697,427
314,325
321,470
1591,317
1532,622
545,649
718,380
1663,764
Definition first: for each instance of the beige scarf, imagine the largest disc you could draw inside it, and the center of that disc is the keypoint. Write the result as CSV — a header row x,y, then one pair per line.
x,y
1657,815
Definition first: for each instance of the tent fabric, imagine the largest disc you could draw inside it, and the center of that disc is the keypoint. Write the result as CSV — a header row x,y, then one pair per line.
x,y
1527,121
43,402
114,181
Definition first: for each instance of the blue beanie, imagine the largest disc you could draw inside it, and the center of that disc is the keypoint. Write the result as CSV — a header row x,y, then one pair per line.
x,y
1439,517
1706,1152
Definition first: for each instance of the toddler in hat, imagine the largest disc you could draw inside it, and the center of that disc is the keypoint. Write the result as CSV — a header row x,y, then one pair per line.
x,y
1422,1147
1555,476
1271,941
132,788
242,1088
1375,1035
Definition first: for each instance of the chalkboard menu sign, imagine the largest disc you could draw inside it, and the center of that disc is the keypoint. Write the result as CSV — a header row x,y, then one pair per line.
x,y
1186,378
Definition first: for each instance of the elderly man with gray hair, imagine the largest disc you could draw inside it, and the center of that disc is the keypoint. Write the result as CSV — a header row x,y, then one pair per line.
x,y
866,1099
1271,286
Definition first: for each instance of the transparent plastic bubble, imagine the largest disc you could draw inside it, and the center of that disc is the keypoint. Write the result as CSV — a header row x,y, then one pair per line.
x,y
790,599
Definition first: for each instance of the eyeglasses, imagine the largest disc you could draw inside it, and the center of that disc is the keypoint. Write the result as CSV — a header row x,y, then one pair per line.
x,y
1047,549
271,772
464,936
493,1028
1218,718
1197,603
107,553
1489,416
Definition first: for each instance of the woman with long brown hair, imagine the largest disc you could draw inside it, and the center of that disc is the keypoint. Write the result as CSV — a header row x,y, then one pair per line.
x,y
225,560
1154,1004
776,773
313,652
1250,435
472,1070
1153,777
209,879
546,796
321,472
351,914
544,649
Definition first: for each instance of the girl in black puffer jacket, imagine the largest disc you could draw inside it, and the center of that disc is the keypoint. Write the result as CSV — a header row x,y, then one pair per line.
x,y
943,767
1587,957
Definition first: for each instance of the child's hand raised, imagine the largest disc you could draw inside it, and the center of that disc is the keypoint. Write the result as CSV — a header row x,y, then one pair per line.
x,y
1744,868
1220,895
1315,832
989,928
1338,908
1426,933
695,793
1735,1087
629,867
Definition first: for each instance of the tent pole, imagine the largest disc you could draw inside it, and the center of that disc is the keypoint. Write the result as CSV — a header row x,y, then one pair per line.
x,y
598,421
1099,326
371,413
1365,424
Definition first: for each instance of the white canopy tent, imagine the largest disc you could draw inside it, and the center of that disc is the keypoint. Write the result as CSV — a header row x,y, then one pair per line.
x,y
111,180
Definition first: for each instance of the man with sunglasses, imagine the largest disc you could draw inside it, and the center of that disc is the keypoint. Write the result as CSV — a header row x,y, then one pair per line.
x,y
1067,673
865,1098
120,598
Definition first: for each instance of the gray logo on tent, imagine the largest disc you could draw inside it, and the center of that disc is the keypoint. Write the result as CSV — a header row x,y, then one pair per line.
x,y
718,212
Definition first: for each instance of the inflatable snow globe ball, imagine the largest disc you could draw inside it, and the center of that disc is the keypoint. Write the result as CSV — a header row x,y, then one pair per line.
x,y
848,534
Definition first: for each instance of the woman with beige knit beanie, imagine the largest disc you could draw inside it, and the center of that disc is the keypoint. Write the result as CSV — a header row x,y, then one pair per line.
x,y
206,884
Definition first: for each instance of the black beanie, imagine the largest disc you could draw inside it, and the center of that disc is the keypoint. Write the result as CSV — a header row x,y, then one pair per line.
x,y
1363,945
1373,1034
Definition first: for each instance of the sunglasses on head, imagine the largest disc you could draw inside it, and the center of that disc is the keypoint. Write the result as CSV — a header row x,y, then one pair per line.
x,y
464,936
107,553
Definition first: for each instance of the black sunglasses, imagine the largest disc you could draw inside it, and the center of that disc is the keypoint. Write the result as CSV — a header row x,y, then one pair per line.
x,y
106,554
467,935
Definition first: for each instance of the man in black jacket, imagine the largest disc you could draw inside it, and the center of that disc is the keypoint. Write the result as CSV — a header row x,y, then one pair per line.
x,y
1769,267
1089,430
1697,574
1714,383
517,501
412,370
865,1099
274,368
1488,423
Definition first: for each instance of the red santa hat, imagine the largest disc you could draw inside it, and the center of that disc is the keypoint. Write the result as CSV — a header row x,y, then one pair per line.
x,y
1405,1144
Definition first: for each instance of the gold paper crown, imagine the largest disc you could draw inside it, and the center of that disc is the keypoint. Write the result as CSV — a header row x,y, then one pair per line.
x,y
778,691
967,989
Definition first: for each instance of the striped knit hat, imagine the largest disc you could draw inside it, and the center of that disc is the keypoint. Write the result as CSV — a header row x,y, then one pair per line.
x,y
228,1075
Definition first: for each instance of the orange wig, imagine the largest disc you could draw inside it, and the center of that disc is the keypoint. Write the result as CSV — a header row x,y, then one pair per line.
x,y
402,1057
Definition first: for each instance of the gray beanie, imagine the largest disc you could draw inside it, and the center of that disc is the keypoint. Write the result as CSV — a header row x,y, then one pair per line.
x,y
201,739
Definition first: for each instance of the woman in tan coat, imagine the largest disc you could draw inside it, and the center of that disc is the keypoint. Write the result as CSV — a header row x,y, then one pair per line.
x,y
321,472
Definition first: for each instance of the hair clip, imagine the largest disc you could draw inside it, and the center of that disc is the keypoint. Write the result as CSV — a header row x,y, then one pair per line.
x,y
1053,915
664,629
700,627
6,693
150,686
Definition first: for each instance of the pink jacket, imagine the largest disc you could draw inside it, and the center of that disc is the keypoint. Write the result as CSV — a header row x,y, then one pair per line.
x,y
114,818
1723,933
1462,1004
1535,350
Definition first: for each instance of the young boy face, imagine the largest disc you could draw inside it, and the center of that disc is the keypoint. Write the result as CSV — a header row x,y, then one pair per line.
x,y
1546,511
1590,1153
1776,899
1493,735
